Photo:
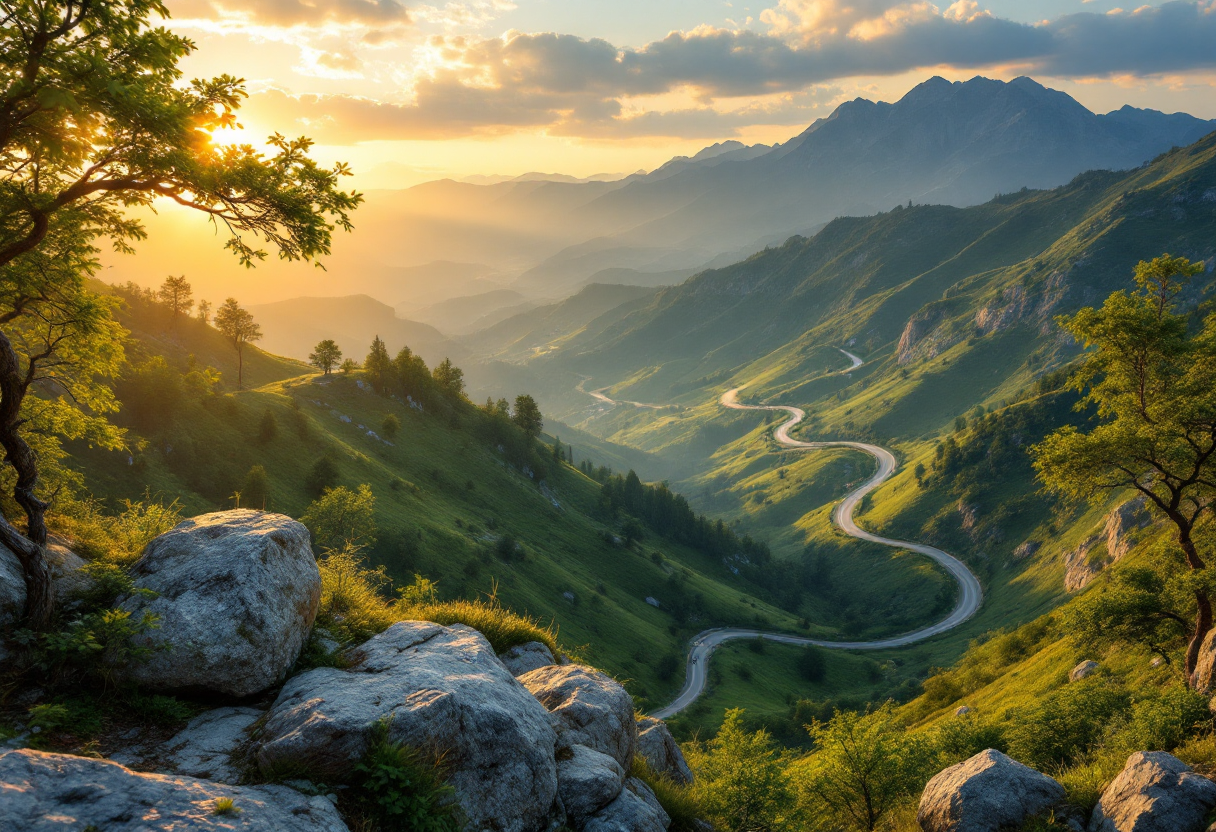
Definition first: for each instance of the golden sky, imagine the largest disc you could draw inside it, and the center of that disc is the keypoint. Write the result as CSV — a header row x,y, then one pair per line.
x,y
408,91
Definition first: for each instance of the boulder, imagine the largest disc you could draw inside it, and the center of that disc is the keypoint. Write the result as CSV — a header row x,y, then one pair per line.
x,y
207,746
1155,792
440,690
589,708
55,792
635,809
662,753
524,658
1203,679
1083,670
587,781
985,793
236,593
12,587
963,710
66,570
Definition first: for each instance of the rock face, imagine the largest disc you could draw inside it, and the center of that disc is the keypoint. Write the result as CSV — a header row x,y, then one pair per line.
x,y
985,793
524,658
589,708
1083,670
206,747
587,781
12,587
441,689
662,753
1082,564
1203,679
635,809
55,792
236,593
1155,792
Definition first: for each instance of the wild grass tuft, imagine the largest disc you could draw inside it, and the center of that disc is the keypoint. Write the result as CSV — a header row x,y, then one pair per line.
x,y
677,800
225,806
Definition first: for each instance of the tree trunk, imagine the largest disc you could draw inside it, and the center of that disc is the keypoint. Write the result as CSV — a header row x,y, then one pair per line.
x,y
29,548
1203,604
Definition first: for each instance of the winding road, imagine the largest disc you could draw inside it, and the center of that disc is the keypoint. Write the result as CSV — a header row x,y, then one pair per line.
x,y
702,646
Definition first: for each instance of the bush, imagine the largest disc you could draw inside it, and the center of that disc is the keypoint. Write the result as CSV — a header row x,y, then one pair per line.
x,y
341,517
118,539
352,607
1164,722
812,664
256,488
679,802
399,790
268,427
98,645
322,476
1065,723
390,426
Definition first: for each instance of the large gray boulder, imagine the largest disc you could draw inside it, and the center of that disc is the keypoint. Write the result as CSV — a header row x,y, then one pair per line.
x,y
589,708
660,750
42,792
524,658
439,689
635,809
208,746
587,781
236,593
985,793
1203,679
1155,792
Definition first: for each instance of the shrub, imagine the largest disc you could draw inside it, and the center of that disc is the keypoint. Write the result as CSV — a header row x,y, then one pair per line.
x,y
1065,723
352,607
390,426
399,790
742,779
117,538
961,737
323,475
256,488
268,427
341,517
1162,723
97,644
812,664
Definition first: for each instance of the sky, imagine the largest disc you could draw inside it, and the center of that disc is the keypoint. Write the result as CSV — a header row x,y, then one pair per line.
x,y
407,90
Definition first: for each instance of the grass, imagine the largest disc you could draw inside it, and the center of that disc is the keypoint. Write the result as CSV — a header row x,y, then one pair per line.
x,y
225,806
677,800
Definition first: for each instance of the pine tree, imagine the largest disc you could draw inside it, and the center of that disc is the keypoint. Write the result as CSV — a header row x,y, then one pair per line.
x,y
377,366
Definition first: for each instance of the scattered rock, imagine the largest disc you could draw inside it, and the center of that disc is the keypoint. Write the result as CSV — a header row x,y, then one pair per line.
x,y
442,690
587,781
589,708
524,658
963,710
985,793
635,809
1156,661
236,592
206,746
1155,792
659,748
1085,669
53,792
1026,549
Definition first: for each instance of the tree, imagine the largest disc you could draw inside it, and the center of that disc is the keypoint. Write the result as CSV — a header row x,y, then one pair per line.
x,y
204,311
1153,385
321,476
741,781
348,366
864,765
325,356
177,295
268,427
390,426
341,517
238,326
527,415
94,120
378,365
256,489
812,664
449,377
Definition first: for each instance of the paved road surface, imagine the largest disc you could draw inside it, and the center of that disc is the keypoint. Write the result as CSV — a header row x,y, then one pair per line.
x,y
702,646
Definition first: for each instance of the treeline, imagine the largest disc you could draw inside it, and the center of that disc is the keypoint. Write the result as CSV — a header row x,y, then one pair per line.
x,y
670,515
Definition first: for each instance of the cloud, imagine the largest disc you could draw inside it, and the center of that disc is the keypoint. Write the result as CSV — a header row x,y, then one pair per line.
x,y
294,12
587,87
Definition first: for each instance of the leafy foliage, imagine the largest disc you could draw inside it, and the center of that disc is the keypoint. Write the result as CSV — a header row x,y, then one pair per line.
x,y
742,780
399,790
342,517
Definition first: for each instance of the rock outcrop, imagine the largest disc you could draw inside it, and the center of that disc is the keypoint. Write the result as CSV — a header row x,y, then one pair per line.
x,y
660,750
986,793
1084,563
1203,679
524,658
1155,792
589,708
207,747
236,593
54,792
587,781
65,573
1083,670
635,809
439,689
